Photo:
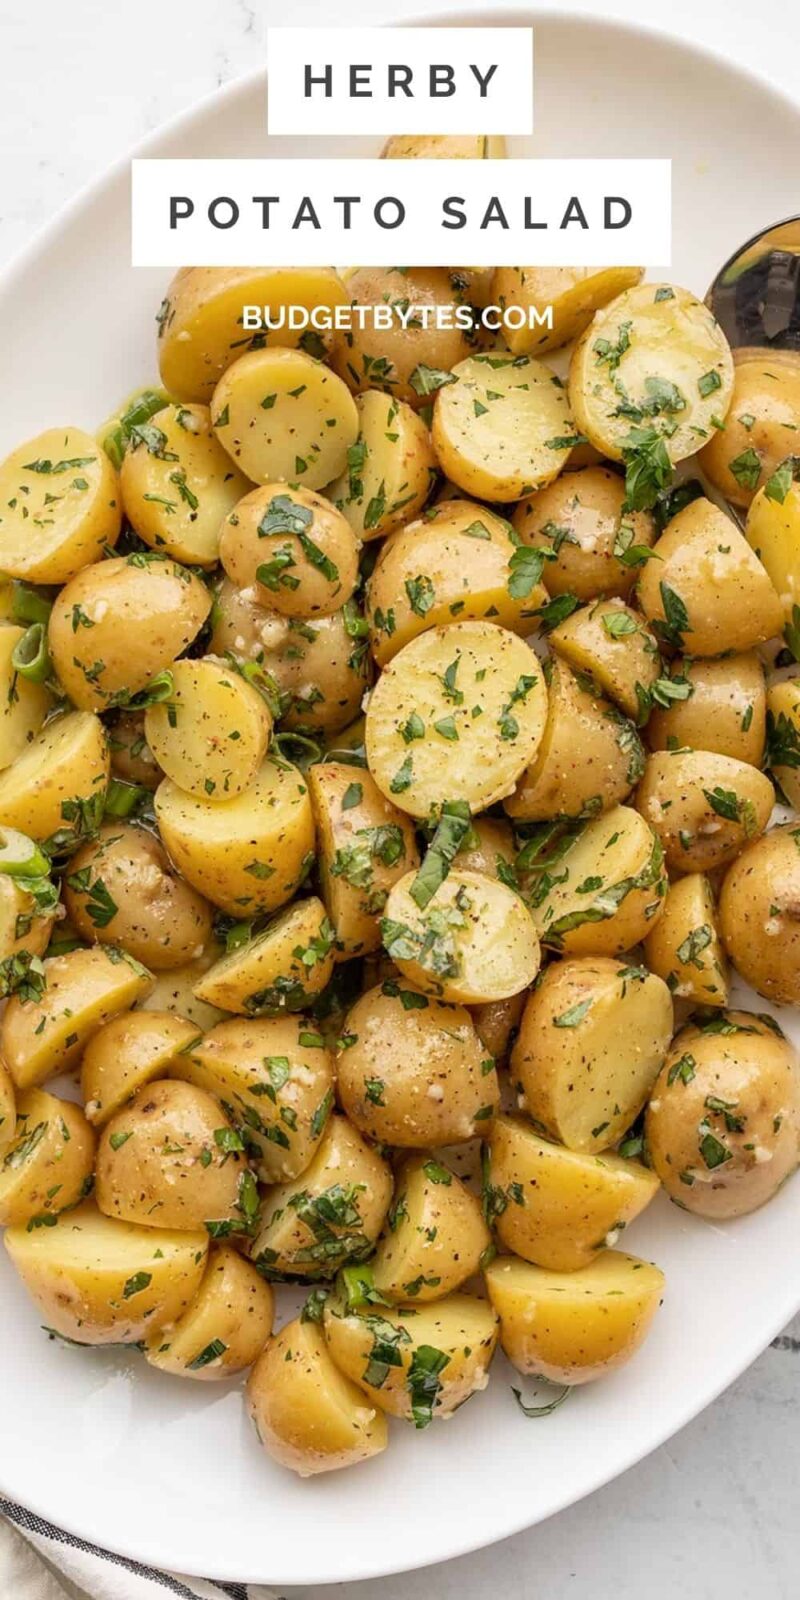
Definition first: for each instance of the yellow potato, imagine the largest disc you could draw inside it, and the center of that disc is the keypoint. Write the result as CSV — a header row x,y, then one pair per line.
x,y
592,1039
49,1166
610,641
470,941
128,1053
60,506
58,784
8,1114
559,1208
705,591
121,890
307,1415
443,147
171,1159
759,912
173,992
457,562
438,1354
503,428
23,703
496,1023
773,531
294,548
275,1079
96,1281
723,1121
489,848
178,484
760,429
281,415
724,711
200,321
704,807
424,745
96,616
131,759
436,1234
83,990
390,468
407,359
332,1213
581,523
574,1327
660,352
365,846
574,293
247,854
281,969
412,1071
211,736
783,738
684,947
22,927
223,1330
589,759
580,915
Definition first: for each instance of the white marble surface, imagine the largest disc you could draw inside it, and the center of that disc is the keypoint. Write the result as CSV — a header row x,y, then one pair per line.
x,y
715,1511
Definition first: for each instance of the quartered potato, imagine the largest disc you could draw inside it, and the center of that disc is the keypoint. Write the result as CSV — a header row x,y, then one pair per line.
x,y
555,1207
439,1354
48,1167
121,890
408,359
281,969
602,887
471,941
685,948
178,484
574,1327
458,713
307,1414
654,358
412,1071
200,320
58,784
589,759
390,468
722,1124
772,530
129,1052
274,1076
704,807
83,989
294,548
436,1234
458,562
211,736
592,1038
171,1159
611,642
783,738
329,1215
759,913
59,506
224,1328
581,524
24,704
717,705
574,294
281,415
502,428
705,591
760,429
366,845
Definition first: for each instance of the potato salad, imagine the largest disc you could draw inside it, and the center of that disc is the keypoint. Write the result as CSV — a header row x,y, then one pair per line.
x,y
399,836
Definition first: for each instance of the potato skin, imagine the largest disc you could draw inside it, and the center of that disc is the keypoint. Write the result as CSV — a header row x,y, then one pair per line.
x,y
725,711
759,913
704,807
131,758
578,520
160,1163
589,759
365,846
460,1326
307,1414
767,394
388,359
224,1328
783,738
156,917
86,516
48,1167
354,1183
8,1113
723,1121
126,1054
416,1074
437,1234
684,947
771,531
304,548
726,594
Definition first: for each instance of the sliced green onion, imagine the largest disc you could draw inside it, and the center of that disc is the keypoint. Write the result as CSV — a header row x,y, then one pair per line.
x,y
29,605
30,657
349,756
20,857
159,689
140,410
123,798
298,748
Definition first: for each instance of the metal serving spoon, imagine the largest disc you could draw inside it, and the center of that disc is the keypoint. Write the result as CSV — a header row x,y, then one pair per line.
x,y
755,296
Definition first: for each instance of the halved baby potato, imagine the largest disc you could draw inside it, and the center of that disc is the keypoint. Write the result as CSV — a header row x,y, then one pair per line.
x,y
49,1166
281,415
574,294
759,912
178,484
171,1159
83,990
611,642
390,468
307,1414
591,1041
281,969
121,889
654,358
60,506
224,1328
581,523
473,940
459,712
685,948
23,703
574,1327
365,846
294,547
706,591
783,738
98,1281
502,427
703,806
559,1208
772,531
211,736
724,708
127,1053
436,1234
589,759
606,889
419,1363
760,429
61,774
